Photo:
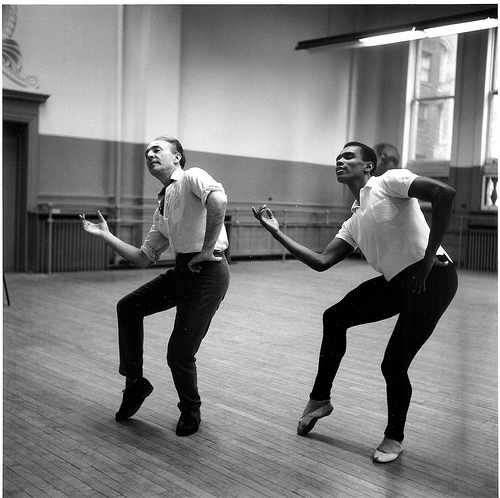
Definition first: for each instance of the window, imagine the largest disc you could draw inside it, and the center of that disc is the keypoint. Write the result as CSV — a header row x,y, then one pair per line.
x,y
423,116
425,67
489,192
489,196
492,111
451,117
432,102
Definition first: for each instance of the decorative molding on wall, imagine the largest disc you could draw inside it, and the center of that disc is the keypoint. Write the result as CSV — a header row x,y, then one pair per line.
x,y
25,96
71,204
11,52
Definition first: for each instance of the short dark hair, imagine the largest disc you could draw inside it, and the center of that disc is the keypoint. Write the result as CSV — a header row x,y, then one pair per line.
x,y
367,153
177,145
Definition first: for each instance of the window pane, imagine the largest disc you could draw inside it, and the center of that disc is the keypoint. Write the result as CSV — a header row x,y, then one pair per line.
x,y
434,92
492,147
436,64
425,66
493,131
433,131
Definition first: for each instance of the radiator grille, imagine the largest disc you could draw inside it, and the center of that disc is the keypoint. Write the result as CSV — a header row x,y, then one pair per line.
x,y
75,250
482,251
69,247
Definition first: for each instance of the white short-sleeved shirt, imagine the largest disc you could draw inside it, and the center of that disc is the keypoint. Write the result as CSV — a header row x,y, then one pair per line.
x,y
181,216
387,225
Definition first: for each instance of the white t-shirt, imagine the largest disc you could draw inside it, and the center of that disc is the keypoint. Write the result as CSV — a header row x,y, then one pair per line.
x,y
387,225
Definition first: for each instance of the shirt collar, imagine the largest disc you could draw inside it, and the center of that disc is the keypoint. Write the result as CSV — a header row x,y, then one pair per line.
x,y
369,184
176,176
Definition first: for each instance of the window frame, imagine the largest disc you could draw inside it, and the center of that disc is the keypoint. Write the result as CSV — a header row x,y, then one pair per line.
x,y
490,163
441,169
433,168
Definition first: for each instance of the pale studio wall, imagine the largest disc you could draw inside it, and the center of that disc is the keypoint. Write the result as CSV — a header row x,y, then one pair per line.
x,y
225,79
265,100
249,96
265,119
95,63
117,76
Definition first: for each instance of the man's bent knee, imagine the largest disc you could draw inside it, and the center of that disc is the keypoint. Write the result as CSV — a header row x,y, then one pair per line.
x,y
333,320
126,305
392,368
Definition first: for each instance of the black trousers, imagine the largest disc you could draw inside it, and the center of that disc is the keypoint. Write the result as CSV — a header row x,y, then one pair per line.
x,y
376,300
197,297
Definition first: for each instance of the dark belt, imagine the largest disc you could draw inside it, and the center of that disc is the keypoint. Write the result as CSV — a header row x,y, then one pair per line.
x,y
184,257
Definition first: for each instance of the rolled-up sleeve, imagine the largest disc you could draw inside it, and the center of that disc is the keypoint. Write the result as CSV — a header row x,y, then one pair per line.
x,y
202,184
155,242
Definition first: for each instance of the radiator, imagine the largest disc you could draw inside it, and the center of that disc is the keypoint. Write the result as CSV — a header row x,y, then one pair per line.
x,y
72,249
482,249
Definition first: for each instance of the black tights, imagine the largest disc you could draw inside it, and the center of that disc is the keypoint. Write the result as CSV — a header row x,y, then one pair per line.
x,y
376,300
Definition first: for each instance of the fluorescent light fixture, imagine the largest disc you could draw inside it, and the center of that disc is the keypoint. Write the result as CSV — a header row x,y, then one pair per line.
x,y
463,27
417,34
401,36
461,23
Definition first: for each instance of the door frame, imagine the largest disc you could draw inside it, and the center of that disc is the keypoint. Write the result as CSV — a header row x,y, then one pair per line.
x,y
23,107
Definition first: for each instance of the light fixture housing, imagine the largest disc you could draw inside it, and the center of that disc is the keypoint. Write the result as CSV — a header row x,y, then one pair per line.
x,y
395,34
400,36
463,27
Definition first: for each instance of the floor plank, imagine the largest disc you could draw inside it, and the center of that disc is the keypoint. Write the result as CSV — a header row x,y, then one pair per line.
x,y
256,368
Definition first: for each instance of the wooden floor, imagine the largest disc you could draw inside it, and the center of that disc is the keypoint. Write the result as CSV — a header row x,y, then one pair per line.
x,y
256,368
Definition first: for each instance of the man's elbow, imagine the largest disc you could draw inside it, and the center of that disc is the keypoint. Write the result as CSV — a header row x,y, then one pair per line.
x,y
451,192
223,203
446,194
220,199
217,202
321,264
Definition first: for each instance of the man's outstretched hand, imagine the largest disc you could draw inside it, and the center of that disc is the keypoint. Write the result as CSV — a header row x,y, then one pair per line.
x,y
269,222
95,228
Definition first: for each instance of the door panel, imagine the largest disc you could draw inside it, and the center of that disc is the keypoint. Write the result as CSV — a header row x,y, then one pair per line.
x,y
12,199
